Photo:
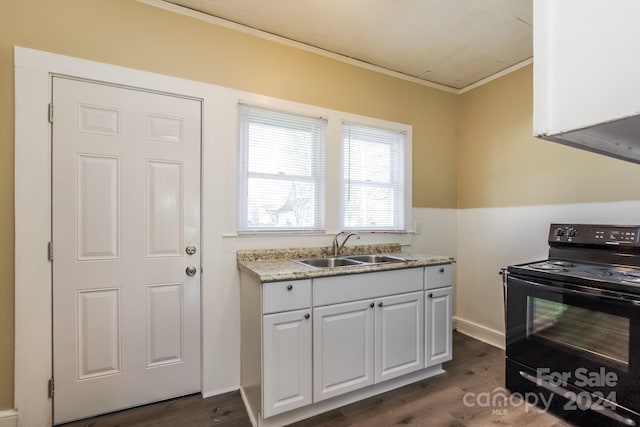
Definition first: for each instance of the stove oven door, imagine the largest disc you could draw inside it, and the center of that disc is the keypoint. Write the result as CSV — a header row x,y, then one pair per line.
x,y
576,338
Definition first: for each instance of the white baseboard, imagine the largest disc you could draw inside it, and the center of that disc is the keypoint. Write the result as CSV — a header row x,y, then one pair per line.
x,y
479,332
9,418
248,407
216,392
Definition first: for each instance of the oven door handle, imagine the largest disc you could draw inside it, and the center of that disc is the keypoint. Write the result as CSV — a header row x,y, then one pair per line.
x,y
599,294
596,402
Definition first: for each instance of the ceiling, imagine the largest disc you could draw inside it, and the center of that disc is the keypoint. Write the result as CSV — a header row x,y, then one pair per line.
x,y
454,43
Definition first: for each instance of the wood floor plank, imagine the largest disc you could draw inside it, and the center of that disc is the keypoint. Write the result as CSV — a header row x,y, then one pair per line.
x,y
440,401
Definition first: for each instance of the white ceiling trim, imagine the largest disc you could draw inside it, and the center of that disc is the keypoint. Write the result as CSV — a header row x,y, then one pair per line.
x,y
298,45
496,76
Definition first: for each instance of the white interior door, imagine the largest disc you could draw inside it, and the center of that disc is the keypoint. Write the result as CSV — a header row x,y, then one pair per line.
x,y
126,205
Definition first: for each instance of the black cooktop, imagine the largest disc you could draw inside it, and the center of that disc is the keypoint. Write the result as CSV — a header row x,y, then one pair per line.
x,y
622,278
561,269
599,256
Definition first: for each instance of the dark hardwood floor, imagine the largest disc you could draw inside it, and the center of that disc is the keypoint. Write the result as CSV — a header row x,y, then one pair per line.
x,y
440,401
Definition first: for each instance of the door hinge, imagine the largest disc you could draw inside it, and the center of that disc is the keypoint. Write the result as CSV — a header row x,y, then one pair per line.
x,y
51,387
51,113
50,251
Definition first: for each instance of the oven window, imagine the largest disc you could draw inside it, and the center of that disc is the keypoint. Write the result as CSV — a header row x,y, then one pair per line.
x,y
598,334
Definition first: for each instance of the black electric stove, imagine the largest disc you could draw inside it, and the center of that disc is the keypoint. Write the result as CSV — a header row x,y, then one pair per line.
x,y
576,315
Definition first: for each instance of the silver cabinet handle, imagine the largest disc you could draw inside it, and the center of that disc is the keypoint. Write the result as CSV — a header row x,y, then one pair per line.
x,y
306,316
191,270
190,250
371,305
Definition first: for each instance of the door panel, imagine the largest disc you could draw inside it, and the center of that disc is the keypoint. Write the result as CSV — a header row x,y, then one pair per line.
x,y
164,128
98,120
164,207
165,326
343,348
399,335
125,204
98,198
287,361
99,335
438,326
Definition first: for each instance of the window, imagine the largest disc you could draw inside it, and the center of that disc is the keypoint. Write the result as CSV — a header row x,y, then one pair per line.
x,y
282,170
373,178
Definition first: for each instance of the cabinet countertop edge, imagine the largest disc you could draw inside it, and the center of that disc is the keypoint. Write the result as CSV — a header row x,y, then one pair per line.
x,y
278,270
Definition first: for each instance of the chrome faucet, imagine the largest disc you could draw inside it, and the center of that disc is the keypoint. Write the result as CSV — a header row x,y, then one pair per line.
x,y
338,247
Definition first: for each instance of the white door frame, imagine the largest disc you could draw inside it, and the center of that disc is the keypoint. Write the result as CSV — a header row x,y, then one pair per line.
x,y
33,278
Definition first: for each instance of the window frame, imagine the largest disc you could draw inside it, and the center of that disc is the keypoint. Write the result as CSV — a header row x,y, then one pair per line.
x,y
318,178
397,183
332,202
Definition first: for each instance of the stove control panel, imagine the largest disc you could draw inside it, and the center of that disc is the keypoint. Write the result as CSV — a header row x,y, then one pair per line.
x,y
587,234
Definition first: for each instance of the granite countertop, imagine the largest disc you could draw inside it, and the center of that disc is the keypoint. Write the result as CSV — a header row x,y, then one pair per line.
x,y
274,265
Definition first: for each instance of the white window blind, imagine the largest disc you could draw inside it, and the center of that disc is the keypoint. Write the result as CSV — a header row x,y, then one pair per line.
x,y
282,170
373,177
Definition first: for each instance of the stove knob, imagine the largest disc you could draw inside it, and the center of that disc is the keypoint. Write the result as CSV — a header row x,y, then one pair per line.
x,y
559,232
572,232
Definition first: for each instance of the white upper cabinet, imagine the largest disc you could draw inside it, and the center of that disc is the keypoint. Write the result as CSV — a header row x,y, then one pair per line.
x,y
587,75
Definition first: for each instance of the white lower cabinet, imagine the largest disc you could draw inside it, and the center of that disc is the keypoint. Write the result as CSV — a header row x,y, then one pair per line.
x,y
307,341
343,349
399,347
287,359
365,342
438,336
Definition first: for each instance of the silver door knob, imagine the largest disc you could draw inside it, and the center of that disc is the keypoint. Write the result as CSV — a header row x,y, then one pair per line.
x,y
191,270
190,250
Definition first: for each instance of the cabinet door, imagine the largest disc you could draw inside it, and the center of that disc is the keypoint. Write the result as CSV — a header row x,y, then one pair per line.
x,y
286,346
438,326
342,348
399,335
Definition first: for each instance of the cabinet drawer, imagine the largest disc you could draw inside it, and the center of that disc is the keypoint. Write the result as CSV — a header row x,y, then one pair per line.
x,y
283,296
438,276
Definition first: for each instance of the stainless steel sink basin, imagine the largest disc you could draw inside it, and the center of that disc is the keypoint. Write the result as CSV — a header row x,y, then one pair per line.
x,y
328,262
375,259
352,260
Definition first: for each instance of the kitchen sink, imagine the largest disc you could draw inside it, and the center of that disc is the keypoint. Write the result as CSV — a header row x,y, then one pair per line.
x,y
349,261
328,262
375,259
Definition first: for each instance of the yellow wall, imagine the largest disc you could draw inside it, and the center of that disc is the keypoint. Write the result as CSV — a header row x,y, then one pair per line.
x,y
512,186
128,33
500,163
